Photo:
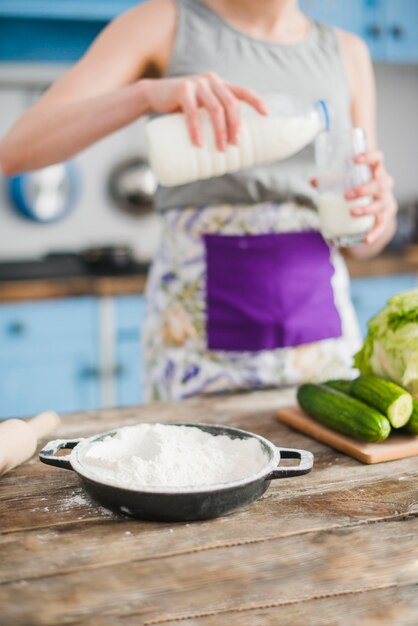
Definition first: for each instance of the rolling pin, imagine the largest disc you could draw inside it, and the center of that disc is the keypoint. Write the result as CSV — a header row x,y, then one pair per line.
x,y
19,438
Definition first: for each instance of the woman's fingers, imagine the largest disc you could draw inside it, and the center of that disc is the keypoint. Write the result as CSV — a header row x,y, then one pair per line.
x,y
385,204
373,157
382,201
377,231
374,187
368,189
250,97
221,100
370,209
188,101
216,110
386,215
231,107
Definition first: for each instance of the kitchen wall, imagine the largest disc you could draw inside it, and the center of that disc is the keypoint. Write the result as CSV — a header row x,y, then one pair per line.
x,y
397,119
97,221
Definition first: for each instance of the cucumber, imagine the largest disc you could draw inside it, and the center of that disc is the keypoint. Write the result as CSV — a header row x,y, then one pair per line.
x,y
387,397
343,413
411,425
340,384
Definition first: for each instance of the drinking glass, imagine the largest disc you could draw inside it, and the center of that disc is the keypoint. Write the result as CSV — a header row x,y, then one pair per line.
x,y
337,173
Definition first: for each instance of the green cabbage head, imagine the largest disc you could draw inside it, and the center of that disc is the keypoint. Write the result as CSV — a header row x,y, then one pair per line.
x,y
390,349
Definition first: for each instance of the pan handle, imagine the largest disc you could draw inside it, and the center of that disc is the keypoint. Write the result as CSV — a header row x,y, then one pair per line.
x,y
304,467
47,454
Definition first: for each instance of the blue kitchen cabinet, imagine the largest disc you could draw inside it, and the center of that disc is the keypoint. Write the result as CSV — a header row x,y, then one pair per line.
x,y
389,27
48,350
53,30
57,381
370,294
130,313
51,355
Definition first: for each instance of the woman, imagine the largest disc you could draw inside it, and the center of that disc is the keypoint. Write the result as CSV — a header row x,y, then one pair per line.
x,y
244,292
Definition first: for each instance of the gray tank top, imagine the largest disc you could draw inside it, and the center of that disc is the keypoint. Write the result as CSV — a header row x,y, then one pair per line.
x,y
311,69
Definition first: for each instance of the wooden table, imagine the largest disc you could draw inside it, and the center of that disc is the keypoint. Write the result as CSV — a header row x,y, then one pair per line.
x,y
336,547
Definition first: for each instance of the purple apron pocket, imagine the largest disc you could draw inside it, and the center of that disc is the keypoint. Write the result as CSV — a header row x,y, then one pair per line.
x,y
268,291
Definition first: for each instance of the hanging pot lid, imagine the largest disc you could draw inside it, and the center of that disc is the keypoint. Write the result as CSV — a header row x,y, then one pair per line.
x,y
132,185
45,195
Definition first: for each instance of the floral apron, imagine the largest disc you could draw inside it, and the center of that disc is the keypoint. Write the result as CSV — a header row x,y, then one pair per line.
x,y
245,297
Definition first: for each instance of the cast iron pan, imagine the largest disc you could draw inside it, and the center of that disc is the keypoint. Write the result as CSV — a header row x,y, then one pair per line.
x,y
186,503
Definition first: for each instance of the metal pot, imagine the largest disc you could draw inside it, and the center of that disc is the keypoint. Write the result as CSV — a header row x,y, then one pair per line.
x,y
186,503
132,185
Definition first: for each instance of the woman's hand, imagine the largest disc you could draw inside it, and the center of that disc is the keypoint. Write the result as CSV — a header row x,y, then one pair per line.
x,y
383,204
219,98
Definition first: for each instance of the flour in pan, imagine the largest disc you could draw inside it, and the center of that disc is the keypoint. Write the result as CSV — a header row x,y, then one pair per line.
x,y
160,455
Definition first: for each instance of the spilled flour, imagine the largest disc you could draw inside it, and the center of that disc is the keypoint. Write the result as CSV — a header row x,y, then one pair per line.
x,y
160,455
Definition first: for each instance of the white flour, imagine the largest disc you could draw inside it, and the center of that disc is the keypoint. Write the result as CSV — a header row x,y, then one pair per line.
x,y
159,455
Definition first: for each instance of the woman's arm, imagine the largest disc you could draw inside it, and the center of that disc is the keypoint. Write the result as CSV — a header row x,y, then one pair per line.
x,y
102,93
360,76
98,95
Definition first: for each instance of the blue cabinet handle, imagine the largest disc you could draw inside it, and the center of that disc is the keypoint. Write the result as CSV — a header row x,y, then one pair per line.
x,y
118,371
374,31
128,334
396,31
16,328
94,372
91,372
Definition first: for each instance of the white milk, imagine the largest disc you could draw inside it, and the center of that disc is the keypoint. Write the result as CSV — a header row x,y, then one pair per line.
x,y
176,160
336,221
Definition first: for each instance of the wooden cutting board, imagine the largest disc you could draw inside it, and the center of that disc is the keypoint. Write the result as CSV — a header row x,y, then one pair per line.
x,y
397,446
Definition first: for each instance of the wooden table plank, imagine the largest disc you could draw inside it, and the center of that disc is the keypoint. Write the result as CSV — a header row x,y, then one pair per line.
x,y
274,516
288,568
379,607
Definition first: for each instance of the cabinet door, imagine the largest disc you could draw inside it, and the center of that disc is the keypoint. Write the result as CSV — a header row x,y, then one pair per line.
x,y
130,312
49,355
57,380
371,293
39,324
402,30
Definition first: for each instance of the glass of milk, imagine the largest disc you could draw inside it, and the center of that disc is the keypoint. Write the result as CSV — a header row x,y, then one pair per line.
x,y
337,173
